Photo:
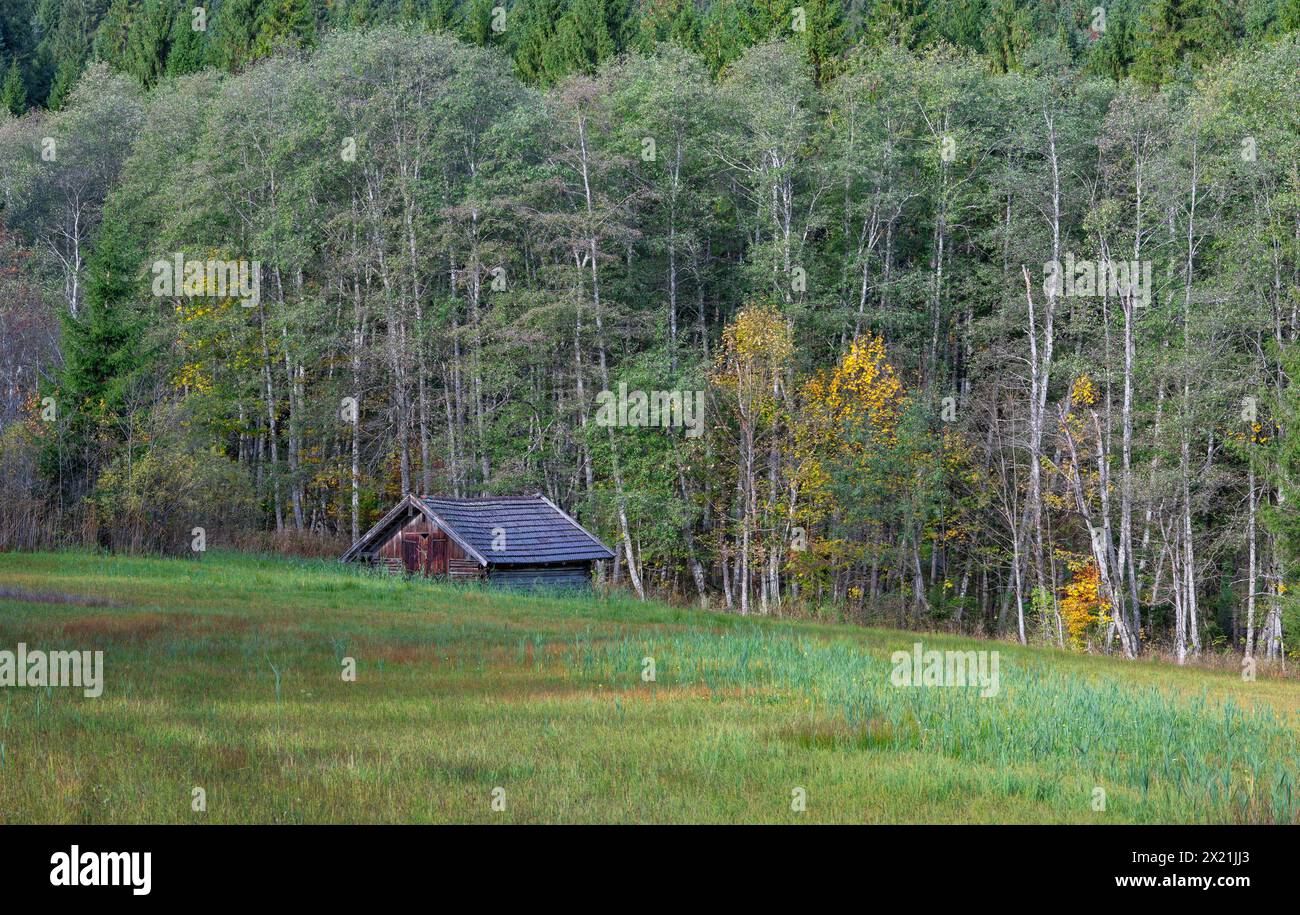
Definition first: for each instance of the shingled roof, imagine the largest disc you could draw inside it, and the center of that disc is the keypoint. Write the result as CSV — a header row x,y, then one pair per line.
x,y
535,529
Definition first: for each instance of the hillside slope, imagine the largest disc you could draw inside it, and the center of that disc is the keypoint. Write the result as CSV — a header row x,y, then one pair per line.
x,y
226,675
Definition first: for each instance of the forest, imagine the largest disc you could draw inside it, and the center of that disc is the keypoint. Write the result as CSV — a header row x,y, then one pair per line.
x,y
972,316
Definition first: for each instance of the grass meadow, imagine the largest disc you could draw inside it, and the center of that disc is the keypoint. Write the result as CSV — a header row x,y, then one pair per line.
x,y
226,674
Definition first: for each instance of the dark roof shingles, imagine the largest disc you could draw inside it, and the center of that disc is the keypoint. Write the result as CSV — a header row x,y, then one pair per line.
x,y
535,532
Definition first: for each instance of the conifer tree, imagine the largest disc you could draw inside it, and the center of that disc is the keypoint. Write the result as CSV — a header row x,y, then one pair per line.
x,y
823,38
1177,31
1007,35
188,45
480,25
105,358
290,23
234,33
583,39
536,25
13,94
1112,53
149,41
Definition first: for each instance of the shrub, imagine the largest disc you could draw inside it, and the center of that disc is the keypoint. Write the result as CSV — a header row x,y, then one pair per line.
x,y
152,498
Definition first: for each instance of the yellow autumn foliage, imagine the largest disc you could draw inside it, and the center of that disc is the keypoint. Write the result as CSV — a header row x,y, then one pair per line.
x,y
206,343
756,349
1083,393
1083,605
862,391
759,335
863,394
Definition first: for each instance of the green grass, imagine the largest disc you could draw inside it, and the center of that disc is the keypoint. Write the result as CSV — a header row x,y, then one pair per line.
x,y
225,674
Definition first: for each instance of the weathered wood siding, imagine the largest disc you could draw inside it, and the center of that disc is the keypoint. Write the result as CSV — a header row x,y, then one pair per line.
x,y
459,564
575,577
392,548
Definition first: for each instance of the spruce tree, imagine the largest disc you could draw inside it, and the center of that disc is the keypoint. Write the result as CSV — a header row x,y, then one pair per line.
x,y
536,24
65,78
677,21
114,33
442,16
105,359
479,18
13,94
149,41
234,33
1175,31
188,46
824,38
1007,35
583,40
1112,54
285,23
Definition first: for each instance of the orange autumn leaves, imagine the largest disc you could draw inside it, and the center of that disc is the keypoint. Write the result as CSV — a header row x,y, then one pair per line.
x,y
1083,606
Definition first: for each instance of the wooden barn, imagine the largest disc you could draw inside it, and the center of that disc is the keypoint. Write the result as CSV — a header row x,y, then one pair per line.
x,y
517,541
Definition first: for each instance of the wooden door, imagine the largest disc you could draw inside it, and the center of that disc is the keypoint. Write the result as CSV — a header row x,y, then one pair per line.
x,y
411,553
438,556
